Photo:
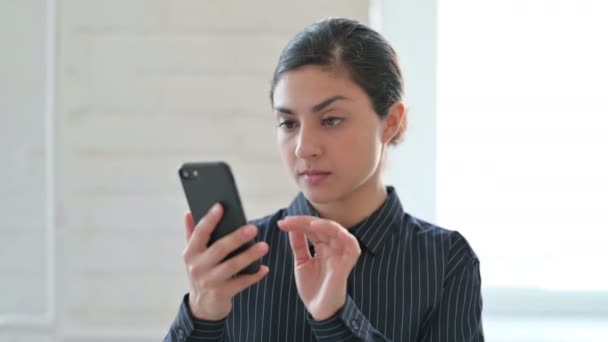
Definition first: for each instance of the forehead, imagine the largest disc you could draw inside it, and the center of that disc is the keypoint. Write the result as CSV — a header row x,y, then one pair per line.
x,y
309,85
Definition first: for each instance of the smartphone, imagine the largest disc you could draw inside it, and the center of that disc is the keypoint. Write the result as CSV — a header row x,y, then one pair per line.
x,y
207,183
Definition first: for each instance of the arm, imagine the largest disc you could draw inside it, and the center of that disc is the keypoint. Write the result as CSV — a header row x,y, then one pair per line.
x,y
187,328
458,314
321,279
456,318
349,324
212,280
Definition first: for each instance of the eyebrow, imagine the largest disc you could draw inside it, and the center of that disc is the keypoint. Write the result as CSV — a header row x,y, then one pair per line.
x,y
316,108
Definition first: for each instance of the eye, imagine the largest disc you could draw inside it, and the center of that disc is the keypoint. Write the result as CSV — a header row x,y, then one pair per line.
x,y
287,124
332,121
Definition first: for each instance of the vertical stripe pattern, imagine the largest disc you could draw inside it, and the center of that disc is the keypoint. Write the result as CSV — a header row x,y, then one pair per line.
x,y
414,281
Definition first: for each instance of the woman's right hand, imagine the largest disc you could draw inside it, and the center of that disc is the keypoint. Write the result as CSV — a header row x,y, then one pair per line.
x,y
212,284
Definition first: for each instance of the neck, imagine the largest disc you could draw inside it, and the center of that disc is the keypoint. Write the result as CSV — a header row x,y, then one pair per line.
x,y
355,206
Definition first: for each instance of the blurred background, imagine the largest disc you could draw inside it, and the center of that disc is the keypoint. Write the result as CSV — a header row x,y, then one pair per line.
x,y
101,101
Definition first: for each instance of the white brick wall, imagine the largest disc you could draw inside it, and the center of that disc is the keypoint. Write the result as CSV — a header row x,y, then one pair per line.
x,y
143,85
22,173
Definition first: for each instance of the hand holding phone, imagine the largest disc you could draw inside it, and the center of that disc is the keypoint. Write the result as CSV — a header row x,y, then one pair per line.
x,y
218,245
206,184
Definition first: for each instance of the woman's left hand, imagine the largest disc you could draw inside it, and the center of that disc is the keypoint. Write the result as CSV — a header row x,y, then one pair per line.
x,y
321,279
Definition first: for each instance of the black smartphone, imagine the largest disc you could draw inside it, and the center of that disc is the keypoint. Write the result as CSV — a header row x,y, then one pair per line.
x,y
207,183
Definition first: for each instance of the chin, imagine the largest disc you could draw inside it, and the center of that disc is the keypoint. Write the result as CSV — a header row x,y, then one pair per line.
x,y
323,194
316,196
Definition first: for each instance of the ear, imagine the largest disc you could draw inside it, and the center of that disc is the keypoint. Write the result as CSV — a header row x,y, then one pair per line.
x,y
393,121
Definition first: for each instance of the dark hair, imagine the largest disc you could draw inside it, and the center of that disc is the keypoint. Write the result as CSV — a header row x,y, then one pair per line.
x,y
346,45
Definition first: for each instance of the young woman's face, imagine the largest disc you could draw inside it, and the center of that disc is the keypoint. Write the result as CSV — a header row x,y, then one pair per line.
x,y
329,135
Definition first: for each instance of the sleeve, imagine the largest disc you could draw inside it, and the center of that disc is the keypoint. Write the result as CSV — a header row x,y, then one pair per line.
x,y
458,314
348,324
187,328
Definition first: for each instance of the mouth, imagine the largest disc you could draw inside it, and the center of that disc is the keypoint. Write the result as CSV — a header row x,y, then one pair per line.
x,y
314,177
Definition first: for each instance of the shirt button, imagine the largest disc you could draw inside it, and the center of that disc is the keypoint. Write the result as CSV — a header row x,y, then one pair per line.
x,y
354,324
180,334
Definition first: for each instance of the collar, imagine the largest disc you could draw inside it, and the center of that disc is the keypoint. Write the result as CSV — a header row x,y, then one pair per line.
x,y
374,230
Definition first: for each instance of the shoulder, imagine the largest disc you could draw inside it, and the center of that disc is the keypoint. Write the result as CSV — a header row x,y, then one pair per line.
x,y
450,245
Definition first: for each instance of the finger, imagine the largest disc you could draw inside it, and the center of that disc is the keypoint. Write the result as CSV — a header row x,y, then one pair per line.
x,y
299,246
189,221
328,228
238,284
234,265
311,226
301,224
220,249
339,237
202,232
296,221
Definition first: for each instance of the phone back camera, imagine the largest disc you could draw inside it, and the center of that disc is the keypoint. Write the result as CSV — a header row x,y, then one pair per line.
x,y
185,174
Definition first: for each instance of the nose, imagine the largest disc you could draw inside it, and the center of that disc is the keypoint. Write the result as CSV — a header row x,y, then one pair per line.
x,y
309,146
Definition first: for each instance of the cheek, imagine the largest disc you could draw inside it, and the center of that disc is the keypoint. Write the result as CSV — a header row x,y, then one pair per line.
x,y
361,148
286,147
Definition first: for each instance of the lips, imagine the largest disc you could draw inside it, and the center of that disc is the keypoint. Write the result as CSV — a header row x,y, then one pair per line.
x,y
314,173
314,177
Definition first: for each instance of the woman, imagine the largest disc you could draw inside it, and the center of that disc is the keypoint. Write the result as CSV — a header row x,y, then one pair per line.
x,y
343,262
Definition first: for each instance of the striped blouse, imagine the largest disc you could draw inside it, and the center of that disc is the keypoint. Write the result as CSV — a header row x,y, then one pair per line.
x,y
413,281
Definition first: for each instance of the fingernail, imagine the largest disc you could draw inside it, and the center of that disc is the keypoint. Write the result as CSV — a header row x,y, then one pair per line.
x,y
216,208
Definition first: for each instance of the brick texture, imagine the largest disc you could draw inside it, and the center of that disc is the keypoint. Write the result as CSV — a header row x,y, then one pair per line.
x,y
142,87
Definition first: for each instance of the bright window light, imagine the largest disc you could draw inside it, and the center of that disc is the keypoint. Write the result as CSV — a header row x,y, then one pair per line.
x,y
522,138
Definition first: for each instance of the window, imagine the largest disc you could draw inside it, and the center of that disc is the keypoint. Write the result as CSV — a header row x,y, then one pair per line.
x,y
522,138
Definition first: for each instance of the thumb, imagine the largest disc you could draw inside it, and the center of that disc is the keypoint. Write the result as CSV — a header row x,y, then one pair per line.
x,y
299,246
